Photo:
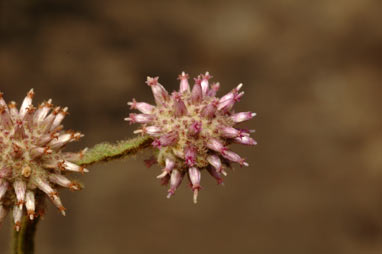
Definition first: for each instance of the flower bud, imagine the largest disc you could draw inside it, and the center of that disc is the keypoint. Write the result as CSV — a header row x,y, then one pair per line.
x,y
184,86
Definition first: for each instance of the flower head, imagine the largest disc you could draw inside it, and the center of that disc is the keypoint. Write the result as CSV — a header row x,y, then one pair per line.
x,y
32,163
192,129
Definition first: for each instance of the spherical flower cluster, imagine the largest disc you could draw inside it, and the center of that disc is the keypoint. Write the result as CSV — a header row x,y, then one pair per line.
x,y
192,129
32,162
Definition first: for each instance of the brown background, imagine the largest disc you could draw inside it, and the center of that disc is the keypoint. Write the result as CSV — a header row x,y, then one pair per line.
x,y
312,72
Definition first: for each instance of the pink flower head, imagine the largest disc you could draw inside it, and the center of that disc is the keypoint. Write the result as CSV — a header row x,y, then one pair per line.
x,y
32,161
192,129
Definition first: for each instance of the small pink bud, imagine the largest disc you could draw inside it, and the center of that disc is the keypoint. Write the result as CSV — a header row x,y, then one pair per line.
x,y
159,92
19,130
26,103
175,180
63,181
179,106
215,145
44,139
170,164
229,155
44,186
57,202
215,174
242,116
198,79
190,155
195,176
47,123
42,111
67,165
13,111
195,128
245,140
39,151
204,82
17,215
231,95
28,119
152,81
139,118
30,204
229,132
63,139
150,130
166,140
246,132
215,161
5,118
20,188
144,107
209,110
214,89
184,85
228,104
196,95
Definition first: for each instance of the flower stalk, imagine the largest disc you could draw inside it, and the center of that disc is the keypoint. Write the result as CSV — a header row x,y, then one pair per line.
x,y
105,151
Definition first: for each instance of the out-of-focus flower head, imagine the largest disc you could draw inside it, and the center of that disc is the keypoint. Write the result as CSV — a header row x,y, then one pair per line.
x,y
191,129
32,162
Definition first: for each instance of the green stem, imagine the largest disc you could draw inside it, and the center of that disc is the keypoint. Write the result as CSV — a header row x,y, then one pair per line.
x,y
105,151
23,240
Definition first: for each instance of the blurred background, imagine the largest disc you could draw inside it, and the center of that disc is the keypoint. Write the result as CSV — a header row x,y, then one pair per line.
x,y
311,70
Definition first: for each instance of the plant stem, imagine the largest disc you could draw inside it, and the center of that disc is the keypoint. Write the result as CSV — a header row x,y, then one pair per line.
x,y
23,241
105,151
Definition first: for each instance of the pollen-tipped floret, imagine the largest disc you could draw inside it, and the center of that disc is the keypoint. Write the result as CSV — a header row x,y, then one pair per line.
x,y
32,163
192,129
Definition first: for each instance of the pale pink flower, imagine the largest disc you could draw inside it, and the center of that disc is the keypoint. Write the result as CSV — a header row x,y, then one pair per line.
x,y
32,162
192,129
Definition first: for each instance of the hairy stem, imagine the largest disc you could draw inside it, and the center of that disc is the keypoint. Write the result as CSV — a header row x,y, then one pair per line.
x,y
105,151
23,240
